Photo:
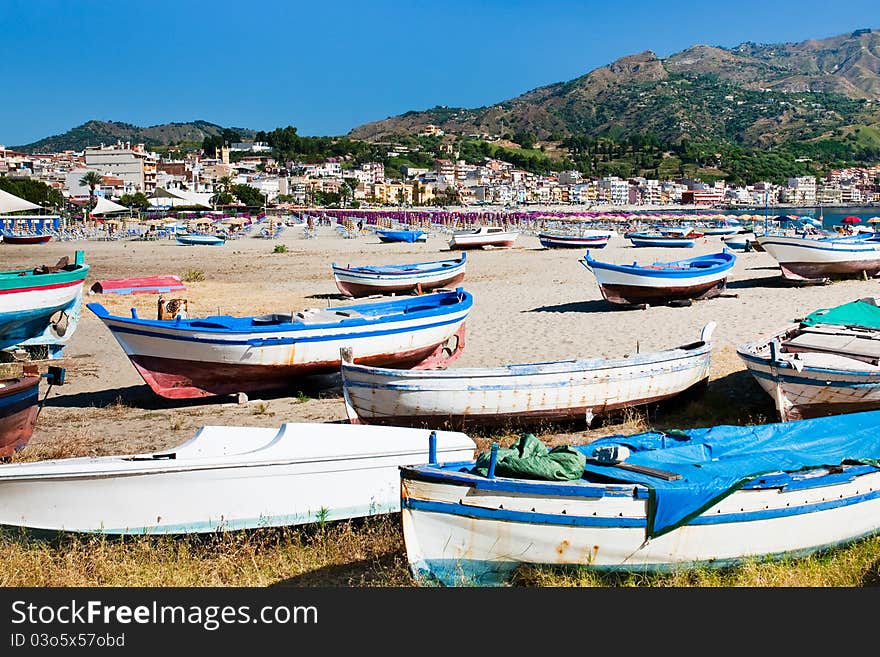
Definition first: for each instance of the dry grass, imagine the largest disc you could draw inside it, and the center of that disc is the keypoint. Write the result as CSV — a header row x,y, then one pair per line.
x,y
368,552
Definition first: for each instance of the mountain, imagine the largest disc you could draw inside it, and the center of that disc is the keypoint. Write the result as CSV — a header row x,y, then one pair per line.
x,y
94,133
752,94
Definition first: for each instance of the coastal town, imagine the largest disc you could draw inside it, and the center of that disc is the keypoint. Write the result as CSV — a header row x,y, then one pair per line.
x,y
195,180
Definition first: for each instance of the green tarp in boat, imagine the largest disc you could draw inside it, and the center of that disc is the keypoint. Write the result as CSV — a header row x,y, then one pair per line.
x,y
856,313
529,458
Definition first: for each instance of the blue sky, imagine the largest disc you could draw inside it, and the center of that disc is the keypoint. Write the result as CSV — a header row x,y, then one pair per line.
x,y
326,67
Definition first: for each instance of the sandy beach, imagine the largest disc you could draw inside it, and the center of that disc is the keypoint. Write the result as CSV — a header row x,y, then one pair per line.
x,y
530,304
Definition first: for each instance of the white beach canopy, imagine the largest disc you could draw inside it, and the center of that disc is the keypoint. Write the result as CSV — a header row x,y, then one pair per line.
x,y
12,203
106,206
172,197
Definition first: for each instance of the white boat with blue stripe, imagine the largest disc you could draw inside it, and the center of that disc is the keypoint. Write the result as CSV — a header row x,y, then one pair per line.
x,y
702,277
224,479
818,258
827,363
568,390
650,502
364,280
221,354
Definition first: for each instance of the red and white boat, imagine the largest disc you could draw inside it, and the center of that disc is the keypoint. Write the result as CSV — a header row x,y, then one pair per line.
x,y
492,236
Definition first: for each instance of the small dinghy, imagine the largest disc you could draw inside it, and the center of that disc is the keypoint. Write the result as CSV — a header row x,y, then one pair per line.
x,y
225,478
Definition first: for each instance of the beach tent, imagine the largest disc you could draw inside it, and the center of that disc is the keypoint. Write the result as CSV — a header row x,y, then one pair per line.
x,y
12,203
106,206
177,197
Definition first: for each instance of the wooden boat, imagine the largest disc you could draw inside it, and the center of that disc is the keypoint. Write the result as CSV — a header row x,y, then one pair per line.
x,y
721,229
520,394
409,236
197,239
817,258
138,285
26,238
365,280
827,363
217,355
18,411
591,239
710,498
41,305
491,236
657,238
701,277
225,478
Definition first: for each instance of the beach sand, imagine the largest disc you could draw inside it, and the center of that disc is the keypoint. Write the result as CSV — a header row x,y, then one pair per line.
x,y
530,305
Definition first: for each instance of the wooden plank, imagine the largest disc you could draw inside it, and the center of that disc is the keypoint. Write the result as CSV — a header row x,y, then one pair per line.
x,y
641,469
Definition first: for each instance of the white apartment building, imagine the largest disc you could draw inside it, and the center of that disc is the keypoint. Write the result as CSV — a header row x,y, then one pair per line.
x,y
134,164
616,190
801,190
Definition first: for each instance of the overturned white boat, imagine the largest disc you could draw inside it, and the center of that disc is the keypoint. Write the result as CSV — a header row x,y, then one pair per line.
x,y
226,478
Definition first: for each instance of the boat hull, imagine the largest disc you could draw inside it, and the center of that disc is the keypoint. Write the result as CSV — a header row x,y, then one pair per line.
x,y
362,281
624,284
481,240
245,478
202,358
458,534
204,240
573,242
406,236
812,259
521,394
18,413
26,239
40,308
800,390
674,242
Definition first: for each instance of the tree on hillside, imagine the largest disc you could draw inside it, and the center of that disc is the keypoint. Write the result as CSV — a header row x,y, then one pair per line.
x,y
92,179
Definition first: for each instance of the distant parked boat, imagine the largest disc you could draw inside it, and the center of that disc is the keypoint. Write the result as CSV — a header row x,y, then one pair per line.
x,y
225,479
18,411
651,502
198,239
591,239
657,238
828,363
42,303
816,258
26,238
740,241
492,236
217,355
520,394
385,279
702,277
409,236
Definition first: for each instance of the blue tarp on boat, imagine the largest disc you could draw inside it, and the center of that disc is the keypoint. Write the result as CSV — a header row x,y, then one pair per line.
x,y
714,462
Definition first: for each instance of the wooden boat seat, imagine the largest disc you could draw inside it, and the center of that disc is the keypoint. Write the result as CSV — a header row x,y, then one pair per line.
x,y
843,344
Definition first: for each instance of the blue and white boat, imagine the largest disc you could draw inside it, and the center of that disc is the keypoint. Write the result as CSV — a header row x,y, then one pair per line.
x,y
217,355
827,363
653,501
588,239
41,306
740,241
409,236
191,239
701,277
657,238
816,258
364,280
575,390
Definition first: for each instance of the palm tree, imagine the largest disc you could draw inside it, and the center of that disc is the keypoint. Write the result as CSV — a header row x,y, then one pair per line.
x,y
92,179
